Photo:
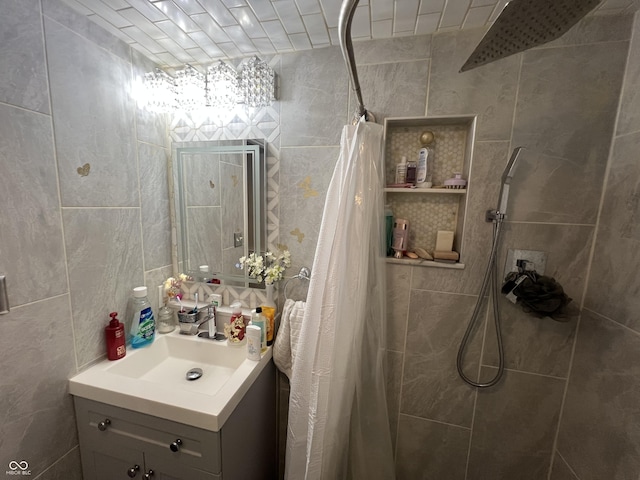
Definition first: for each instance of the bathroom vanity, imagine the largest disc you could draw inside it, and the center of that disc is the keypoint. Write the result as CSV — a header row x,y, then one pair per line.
x,y
143,419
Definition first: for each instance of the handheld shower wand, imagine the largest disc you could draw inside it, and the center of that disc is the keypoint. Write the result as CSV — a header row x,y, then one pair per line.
x,y
507,175
490,280
503,197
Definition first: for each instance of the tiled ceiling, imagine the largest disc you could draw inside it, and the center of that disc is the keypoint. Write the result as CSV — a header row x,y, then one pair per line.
x,y
175,32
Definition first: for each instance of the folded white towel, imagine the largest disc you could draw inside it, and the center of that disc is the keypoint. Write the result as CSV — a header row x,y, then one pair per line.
x,y
285,347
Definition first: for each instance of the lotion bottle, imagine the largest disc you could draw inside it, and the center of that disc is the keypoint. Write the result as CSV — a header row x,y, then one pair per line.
x,y
425,161
114,333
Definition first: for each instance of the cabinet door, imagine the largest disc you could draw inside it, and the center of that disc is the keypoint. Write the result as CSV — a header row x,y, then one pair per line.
x,y
112,464
169,469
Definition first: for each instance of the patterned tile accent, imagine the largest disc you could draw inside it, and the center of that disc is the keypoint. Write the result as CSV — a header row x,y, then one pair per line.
x,y
448,149
427,212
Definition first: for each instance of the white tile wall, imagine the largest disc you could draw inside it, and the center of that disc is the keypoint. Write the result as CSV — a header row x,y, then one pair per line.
x,y
207,30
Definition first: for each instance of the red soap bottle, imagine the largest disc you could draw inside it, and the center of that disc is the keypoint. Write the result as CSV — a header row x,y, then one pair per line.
x,y
115,338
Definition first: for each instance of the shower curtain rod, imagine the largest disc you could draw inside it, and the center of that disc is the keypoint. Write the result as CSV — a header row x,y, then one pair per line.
x,y
347,11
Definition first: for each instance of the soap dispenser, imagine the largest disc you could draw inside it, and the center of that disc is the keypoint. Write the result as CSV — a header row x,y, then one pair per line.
x,y
114,333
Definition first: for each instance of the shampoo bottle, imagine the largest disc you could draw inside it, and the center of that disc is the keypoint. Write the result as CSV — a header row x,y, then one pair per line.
x,y
260,320
114,333
425,161
143,325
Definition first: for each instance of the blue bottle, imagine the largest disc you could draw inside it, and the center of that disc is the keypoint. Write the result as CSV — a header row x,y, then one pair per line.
x,y
143,324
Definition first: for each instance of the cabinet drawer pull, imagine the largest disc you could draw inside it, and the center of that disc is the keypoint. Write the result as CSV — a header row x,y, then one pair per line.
x,y
175,445
133,471
148,475
102,426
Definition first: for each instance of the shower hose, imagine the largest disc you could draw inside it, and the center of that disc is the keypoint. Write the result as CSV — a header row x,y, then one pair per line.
x,y
490,280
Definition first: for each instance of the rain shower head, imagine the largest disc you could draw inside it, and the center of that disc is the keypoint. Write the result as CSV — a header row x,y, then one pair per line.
x,y
525,24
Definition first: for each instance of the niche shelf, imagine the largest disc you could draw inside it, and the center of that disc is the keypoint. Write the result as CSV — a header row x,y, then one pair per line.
x,y
430,209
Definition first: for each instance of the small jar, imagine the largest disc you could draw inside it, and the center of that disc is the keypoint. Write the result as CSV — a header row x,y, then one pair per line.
x,y
166,320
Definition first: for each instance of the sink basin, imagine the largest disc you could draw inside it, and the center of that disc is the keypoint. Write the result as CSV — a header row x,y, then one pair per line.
x,y
153,379
171,357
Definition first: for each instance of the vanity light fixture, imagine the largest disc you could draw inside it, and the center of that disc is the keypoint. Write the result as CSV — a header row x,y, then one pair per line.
x,y
221,87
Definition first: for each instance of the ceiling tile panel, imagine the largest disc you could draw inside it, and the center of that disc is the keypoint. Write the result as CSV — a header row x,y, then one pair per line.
x,y
331,10
219,12
454,13
427,23
382,29
176,34
406,13
432,6
308,7
210,27
143,39
381,10
316,29
361,25
300,41
190,7
240,38
108,13
147,9
289,16
248,21
263,10
141,22
277,35
178,17
171,31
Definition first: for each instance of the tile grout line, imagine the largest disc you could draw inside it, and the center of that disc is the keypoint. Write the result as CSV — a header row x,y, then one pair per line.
x,y
404,361
65,255
435,421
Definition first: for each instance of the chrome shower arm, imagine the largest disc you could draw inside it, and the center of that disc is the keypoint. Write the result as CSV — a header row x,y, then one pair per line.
x,y
347,10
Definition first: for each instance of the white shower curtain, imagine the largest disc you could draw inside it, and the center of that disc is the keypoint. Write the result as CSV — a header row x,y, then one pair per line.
x,y
338,423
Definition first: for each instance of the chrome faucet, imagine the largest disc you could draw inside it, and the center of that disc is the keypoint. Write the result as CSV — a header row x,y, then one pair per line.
x,y
213,326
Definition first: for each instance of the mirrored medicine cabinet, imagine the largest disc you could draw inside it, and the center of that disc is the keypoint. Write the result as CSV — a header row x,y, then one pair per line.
x,y
220,207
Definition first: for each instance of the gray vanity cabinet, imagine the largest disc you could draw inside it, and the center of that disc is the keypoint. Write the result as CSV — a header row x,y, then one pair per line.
x,y
120,444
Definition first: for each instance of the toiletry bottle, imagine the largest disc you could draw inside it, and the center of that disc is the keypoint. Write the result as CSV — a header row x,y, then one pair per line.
x,y
166,322
269,310
400,237
401,171
412,167
236,328
143,325
114,333
253,342
388,220
425,161
259,320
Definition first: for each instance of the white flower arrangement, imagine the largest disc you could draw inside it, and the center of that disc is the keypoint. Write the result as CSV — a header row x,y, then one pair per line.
x,y
269,268
172,285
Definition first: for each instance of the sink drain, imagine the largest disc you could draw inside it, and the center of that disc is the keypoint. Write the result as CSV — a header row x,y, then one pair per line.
x,y
194,374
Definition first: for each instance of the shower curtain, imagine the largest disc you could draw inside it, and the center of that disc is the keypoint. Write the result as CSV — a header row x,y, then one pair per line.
x,y
338,423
